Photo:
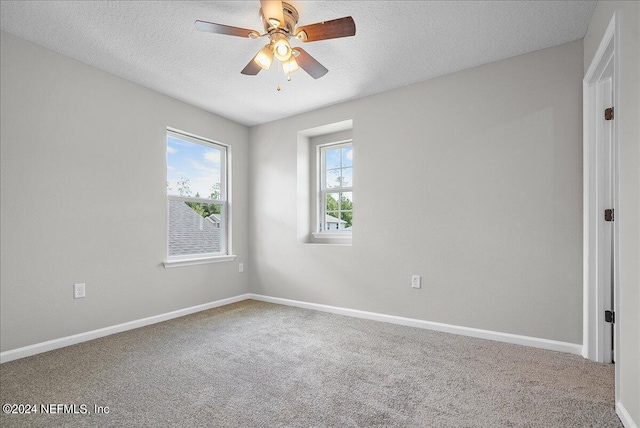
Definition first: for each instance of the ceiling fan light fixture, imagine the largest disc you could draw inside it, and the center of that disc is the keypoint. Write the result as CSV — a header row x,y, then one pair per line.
x,y
264,58
280,22
281,47
290,66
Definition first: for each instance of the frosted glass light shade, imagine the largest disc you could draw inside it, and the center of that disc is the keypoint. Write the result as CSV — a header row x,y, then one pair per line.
x,y
264,58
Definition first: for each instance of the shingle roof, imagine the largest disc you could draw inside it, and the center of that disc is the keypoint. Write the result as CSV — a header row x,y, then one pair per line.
x,y
332,219
190,233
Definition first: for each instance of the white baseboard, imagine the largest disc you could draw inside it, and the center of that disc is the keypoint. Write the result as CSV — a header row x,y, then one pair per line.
x,y
624,416
50,345
535,342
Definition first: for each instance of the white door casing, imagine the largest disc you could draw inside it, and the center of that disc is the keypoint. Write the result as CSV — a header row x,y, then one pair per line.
x,y
601,91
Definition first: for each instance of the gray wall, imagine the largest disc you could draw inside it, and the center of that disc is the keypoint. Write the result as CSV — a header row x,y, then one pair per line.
x,y
628,219
472,180
83,199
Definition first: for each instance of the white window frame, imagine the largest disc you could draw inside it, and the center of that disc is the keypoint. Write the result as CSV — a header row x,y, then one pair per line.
x,y
321,231
225,216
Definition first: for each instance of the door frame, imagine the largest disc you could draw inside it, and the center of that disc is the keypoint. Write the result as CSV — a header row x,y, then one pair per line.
x,y
594,289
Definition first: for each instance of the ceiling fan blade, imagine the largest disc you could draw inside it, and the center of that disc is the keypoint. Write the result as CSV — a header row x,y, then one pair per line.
x,y
212,27
272,9
310,64
252,68
341,27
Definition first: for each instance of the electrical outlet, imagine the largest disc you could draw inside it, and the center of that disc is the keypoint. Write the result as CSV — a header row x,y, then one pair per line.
x,y
240,267
78,291
415,281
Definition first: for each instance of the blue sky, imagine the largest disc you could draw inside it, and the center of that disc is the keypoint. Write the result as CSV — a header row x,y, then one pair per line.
x,y
333,157
199,163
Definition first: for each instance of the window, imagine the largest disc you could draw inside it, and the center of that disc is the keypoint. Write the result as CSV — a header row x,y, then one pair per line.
x,y
314,146
196,197
336,189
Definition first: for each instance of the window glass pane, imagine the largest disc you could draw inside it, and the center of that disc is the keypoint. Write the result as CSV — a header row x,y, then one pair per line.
x,y
347,177
347,156
193,169
332,202
333,178
346,209
347,217
346,201
194,228
332,158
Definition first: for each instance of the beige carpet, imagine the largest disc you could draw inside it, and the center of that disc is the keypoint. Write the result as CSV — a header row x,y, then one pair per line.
x,y
254,364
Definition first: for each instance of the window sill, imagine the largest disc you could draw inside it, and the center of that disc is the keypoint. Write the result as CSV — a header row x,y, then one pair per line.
x,y
173,263
334,239
325,235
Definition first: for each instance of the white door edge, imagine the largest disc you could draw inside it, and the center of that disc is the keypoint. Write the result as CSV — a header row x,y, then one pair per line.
x,y
593,302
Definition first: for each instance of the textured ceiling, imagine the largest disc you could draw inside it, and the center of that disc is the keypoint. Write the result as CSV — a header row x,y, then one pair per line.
x,y
156,45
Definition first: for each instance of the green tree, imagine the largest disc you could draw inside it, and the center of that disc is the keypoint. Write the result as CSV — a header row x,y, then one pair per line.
x,y
346,204
215,191
184,186
332,203
204,209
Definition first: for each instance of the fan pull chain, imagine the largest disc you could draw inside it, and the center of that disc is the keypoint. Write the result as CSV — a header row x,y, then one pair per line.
x,y
287,75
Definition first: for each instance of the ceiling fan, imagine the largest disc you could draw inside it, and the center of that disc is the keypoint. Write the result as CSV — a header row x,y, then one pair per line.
x,y
280,20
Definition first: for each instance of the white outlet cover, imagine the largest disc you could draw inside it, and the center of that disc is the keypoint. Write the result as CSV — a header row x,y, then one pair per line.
x,y
78,291
415,281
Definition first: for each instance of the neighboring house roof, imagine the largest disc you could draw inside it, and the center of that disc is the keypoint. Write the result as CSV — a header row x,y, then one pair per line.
x,y
331,219
190,233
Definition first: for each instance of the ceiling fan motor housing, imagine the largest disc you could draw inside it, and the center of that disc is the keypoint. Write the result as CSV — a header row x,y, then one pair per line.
x,y
290,19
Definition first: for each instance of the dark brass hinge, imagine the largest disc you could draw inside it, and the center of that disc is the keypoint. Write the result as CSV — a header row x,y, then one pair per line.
x,y
608,113
610,316
608,214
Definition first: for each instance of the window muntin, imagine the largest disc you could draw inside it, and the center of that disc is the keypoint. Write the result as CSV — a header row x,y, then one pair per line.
x,y
336,188
196,197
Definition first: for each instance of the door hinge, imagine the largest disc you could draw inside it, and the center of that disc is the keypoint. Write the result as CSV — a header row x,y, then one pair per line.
x,y
610,316
608,113
608,214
